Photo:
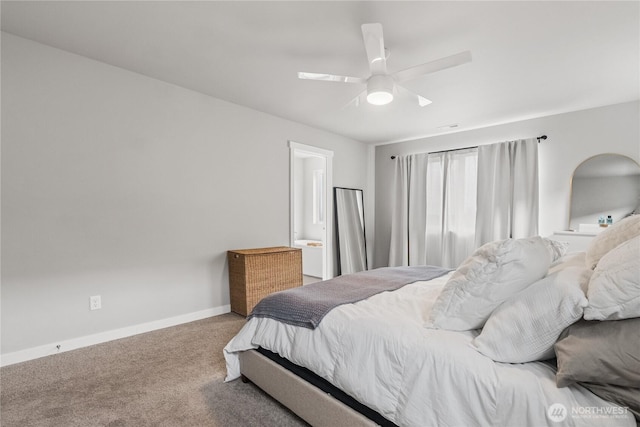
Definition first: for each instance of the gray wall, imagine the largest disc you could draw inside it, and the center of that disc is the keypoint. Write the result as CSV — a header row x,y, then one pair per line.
x,y
119,185
573,137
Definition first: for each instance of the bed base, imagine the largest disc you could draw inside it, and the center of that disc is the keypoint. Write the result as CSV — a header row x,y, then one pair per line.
x,y
313,405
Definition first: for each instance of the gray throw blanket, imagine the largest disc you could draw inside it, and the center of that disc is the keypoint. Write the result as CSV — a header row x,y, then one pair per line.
x,y
306,306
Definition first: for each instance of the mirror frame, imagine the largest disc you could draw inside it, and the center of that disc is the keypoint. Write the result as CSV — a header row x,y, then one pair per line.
x,y
337,228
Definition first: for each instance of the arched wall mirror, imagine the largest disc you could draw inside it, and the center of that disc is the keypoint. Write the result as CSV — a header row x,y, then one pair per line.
x,y
350,231
603,185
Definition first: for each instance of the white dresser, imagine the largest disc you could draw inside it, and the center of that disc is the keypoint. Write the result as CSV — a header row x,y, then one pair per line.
x,y
578,241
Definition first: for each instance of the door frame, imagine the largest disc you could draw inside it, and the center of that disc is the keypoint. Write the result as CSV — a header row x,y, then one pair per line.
x,y
327,248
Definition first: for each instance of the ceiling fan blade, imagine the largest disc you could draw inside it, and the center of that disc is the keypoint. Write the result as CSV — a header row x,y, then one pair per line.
x,y
422,101
374,45
330,78
433,66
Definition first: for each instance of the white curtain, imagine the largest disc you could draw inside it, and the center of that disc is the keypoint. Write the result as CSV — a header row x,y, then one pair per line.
x,y
451,207
433,219
447,204
409,210
507,191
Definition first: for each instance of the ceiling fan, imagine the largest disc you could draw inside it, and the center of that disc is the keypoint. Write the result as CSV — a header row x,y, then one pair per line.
x,y
382,86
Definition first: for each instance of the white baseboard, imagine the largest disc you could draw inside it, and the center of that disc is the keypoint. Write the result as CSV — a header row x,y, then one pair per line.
x,y
75,343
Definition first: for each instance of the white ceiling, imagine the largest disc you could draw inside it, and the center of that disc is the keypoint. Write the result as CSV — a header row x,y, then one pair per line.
x,y
530,59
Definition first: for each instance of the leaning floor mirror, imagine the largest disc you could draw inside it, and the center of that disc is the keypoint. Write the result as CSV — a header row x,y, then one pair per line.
x,y
350,232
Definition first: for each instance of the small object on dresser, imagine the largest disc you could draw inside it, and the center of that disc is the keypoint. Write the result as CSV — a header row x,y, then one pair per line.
x,y
609,220
256,273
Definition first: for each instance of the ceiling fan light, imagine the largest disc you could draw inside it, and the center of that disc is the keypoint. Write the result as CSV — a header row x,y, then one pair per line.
x,y
380,90
379,98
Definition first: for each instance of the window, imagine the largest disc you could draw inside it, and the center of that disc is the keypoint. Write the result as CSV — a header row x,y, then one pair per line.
x,y
451,206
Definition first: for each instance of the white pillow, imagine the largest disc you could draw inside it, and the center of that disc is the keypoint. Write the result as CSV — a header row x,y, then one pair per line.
x,y
483,281
525,327
556,249
618,233
614,289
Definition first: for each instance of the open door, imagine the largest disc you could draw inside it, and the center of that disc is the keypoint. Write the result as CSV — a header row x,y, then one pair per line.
x,y
311,207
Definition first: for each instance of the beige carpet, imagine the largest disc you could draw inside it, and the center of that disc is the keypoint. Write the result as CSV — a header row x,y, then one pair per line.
x,y
170,377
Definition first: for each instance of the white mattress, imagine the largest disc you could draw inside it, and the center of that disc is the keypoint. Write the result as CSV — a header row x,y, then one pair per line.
x,y
378,352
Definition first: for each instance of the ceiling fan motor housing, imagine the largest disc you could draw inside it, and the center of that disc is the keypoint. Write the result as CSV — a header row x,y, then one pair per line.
x,y
380,89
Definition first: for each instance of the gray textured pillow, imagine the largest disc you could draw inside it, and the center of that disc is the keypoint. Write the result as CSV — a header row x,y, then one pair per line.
x,y
628,397
600,352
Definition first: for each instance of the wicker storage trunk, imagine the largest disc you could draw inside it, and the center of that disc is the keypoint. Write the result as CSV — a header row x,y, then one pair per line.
x,y
255,273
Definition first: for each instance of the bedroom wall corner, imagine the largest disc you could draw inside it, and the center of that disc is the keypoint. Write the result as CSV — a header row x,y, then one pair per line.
x,y
127,187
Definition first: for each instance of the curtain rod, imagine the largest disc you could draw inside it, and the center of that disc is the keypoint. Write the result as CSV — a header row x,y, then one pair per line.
x,y
542,137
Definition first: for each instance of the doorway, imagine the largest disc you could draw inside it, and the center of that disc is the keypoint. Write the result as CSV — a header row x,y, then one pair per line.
x,y
311,208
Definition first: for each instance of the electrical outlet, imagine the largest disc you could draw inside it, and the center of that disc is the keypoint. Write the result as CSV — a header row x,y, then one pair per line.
x,y
95,303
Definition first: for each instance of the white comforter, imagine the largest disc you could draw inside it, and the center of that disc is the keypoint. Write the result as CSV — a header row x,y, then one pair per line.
x,y
378,351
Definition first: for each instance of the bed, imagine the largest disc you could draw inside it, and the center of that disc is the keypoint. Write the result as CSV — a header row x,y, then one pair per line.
x,y
423,354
